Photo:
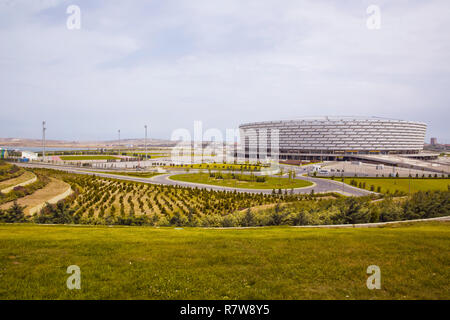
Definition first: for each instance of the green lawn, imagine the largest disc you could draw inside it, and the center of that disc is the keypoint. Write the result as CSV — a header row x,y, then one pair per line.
x,y
270,183
148,153
88,157
193,263
402,184
219,166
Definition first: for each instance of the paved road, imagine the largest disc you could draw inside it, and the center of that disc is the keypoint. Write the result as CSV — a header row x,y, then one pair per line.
x,y
320,185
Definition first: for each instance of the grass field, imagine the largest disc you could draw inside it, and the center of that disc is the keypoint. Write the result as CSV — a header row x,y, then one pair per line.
x,y
219,166
88,157
270,183
192,263
402,184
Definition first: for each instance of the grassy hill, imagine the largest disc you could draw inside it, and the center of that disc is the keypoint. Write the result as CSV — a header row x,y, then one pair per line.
x,y
193,263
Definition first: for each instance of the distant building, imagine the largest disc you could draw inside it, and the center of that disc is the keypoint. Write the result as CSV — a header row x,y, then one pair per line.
x,y
433,141
29,155
3,153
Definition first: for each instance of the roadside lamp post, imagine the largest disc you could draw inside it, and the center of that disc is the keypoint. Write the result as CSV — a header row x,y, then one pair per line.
x,y
43,140
119,142
145,142
409,180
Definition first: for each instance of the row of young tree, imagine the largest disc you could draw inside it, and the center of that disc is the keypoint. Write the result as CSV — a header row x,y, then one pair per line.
x,y
350,210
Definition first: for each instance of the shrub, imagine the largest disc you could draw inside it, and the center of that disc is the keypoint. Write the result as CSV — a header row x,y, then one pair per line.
x,y
58,213
249,219
13,214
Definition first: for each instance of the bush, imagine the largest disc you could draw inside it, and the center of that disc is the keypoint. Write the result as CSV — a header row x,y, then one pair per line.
x,y
58,213
249,219
352,210
261,179
13,214
427,205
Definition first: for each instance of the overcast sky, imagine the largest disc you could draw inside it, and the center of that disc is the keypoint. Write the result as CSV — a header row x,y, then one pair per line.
x,y
167,63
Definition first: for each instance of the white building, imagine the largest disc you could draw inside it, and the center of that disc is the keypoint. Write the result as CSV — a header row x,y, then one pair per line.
x,y
29,155
330,138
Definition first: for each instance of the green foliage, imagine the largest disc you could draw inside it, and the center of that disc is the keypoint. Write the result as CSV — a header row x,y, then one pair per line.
x,y
249,219
13,214
59,213
22,191
113,202
9,171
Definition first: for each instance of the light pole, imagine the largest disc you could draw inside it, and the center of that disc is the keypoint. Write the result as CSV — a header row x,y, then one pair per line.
x,y
409,180
145,143
43,141
119,141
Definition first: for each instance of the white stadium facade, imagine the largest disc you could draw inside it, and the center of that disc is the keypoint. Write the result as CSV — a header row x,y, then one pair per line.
x,y
331,138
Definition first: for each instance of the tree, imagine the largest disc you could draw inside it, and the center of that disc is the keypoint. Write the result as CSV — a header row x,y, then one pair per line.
x,y
300,219
13,214
178,219
353,210
249,219
58,213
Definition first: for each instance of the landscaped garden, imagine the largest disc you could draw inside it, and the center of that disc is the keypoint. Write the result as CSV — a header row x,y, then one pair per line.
x,y
398,185
107,201
237,180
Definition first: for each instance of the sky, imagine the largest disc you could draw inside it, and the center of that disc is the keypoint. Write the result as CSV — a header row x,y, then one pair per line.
x,y
168,63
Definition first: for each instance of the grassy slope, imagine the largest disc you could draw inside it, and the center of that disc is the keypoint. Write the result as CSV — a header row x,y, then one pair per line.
x,y
51,190
25,176
4,166
271,183
401,184
261,263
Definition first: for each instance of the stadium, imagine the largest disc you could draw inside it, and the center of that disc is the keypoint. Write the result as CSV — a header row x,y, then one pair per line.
x,y
332,138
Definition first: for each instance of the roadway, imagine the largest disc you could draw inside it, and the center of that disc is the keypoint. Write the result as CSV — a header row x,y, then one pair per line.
x,y
319,185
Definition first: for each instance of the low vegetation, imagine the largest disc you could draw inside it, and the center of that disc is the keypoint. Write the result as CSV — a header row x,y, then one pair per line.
x,y
399,186
194,263
237,180
25,176
107,201
9,171
22,191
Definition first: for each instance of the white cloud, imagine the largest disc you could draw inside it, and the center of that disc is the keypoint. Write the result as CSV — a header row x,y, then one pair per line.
x,y
225,62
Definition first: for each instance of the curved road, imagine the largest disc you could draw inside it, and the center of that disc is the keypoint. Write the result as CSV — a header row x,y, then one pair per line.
x,y
320,185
